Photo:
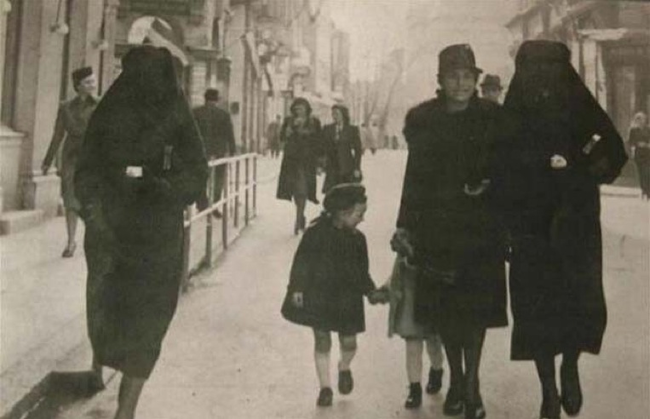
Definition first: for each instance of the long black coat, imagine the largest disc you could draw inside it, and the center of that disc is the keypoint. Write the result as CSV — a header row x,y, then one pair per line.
x,y
215,126
556,286
451,230
330,268
134,226
302,149
343,155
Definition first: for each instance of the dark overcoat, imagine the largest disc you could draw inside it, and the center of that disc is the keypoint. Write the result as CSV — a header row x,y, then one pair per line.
x,y
215,126
451,230
330,268
342,154
302,148
556,285
134,225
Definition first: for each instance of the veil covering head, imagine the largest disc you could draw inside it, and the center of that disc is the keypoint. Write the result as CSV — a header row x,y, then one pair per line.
x,y
554,104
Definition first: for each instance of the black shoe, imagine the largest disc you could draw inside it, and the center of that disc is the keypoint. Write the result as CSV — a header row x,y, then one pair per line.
x,y
475,411
346,383
325,397
571,391
551,408
414,399
453,402
435,381
68,252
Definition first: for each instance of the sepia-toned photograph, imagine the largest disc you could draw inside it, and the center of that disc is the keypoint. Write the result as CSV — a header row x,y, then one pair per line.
x,y
324,209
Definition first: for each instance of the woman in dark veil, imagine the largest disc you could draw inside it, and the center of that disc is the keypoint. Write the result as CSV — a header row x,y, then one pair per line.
x,y
568,147
142,162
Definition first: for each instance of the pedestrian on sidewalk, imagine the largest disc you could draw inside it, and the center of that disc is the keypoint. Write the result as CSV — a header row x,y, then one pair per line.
x,y
567,147
447,214
639,139
70,127
215,126
342,143
301,136
491,88
329,278
142,163
401,320
273,136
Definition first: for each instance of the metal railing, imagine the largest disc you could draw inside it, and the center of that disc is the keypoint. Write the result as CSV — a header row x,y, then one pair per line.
x,y
239,189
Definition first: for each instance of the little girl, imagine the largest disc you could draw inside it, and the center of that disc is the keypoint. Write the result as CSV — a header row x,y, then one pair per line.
x,y
401,294
329,278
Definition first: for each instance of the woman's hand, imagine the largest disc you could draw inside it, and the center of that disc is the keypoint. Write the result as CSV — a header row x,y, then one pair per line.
x,y
298,299
400,243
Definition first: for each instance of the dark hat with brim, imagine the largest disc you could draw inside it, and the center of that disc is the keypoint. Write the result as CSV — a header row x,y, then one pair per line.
x,y
492,80
541,51
455,57
211,95
344,196
80,74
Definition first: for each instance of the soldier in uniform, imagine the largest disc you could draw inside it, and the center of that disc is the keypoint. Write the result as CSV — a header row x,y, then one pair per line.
x,y
70,127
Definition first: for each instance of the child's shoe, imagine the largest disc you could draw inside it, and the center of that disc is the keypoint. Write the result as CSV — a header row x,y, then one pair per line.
x,y
435,381
346,383
414,399
325,397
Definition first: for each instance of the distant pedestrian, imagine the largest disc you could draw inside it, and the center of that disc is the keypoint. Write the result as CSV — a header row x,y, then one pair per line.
x,y
372,139
401,288
215,126
639,139
491,88
70,127
142,163
342,143
329,277
567,147
301,137
447,215
273,136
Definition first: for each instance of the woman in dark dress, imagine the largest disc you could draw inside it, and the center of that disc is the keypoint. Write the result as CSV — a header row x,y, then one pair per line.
x,y
639,140
301,136
342,143
141,164
567,147
447,214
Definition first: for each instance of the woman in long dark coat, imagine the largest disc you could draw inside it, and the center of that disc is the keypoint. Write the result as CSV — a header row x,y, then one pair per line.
x,y
567,147
342,144
142,162
447,214
301,136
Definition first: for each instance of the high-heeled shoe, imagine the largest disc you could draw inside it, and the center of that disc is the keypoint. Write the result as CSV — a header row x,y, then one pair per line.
x,y
551,407
69,250
571,391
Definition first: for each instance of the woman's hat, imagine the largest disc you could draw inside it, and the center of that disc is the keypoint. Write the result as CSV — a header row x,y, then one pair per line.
x,y
344,196
459,56
81,73
492,80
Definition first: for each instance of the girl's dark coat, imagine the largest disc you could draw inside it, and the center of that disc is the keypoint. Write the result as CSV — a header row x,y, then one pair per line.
x,y
331,269
452,231
134,226
301,151
556,283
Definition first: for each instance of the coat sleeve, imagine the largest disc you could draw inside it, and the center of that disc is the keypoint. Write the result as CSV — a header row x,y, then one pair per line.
x,y
365,282
188,183
414,179
57,137
304,260
89,168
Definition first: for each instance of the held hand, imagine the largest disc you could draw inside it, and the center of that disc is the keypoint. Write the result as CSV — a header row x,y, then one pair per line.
x,y
298,299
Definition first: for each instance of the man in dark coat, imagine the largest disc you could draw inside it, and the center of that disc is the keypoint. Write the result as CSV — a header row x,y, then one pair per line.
x,y
215,126
491,88
141,164
273,136
567,147
70,126
447,213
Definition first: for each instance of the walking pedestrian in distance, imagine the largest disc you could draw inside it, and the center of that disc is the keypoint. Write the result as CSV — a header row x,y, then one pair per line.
x,y
342,143
447,215
567,147
215,126
142,163
491,88
70,127
273,136
401,289
301,136
329,278
639,139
